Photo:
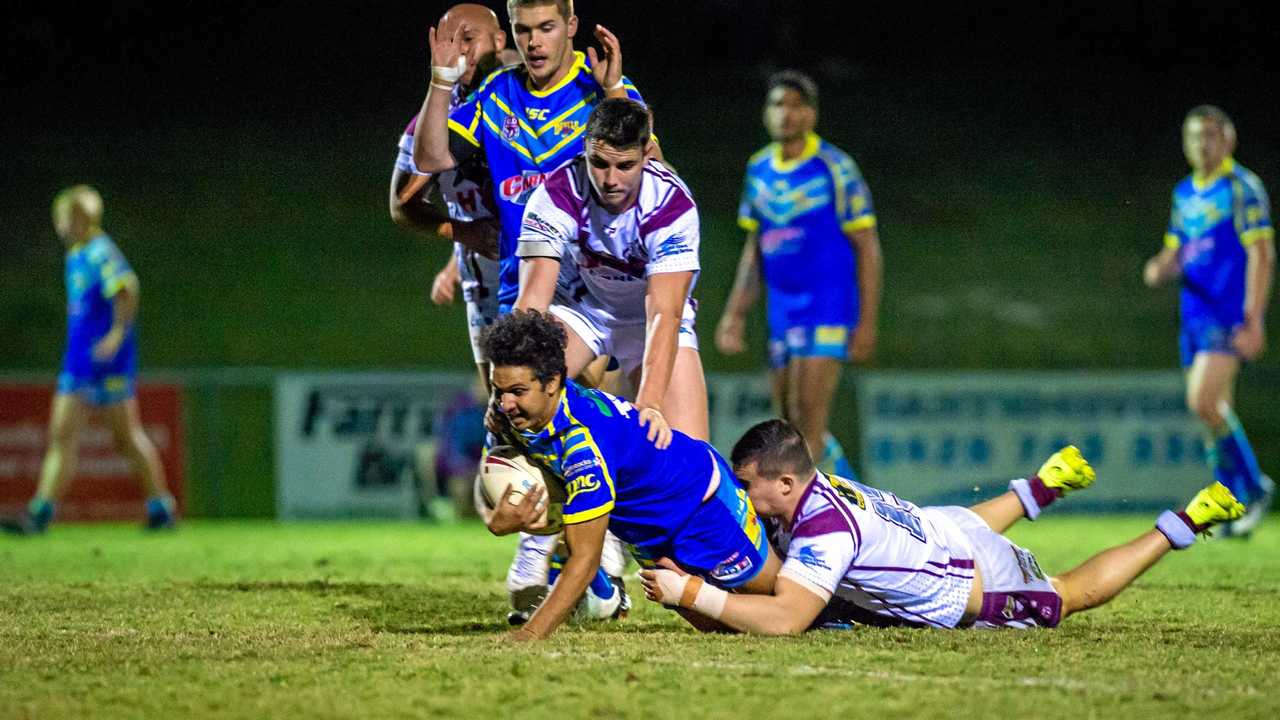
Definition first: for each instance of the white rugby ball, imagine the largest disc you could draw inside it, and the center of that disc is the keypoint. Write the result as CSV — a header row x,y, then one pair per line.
x,y
504,466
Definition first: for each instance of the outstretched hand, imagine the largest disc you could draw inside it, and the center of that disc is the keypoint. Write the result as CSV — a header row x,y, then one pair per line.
x,y
606,66
659,429
446,51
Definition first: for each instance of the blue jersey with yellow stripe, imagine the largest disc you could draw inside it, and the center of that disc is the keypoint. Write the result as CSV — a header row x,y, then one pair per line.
x,y
595,444
524,134
801,210
96,270
1211,224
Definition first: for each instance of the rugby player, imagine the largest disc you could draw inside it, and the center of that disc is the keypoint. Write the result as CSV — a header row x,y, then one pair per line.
x,y
811,235
524,121
1220,246
100,366
681,503
625,229
857,554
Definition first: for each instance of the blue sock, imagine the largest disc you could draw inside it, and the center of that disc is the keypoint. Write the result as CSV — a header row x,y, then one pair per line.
x,y
40,512
159,507
553,572
600,585
1222,465
1246,463
834,461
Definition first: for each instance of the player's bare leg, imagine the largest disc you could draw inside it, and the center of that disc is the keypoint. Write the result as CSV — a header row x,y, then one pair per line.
x,y
66,420
1210,382
1103,576
1001,511
577,356
131,441
811,383
685,406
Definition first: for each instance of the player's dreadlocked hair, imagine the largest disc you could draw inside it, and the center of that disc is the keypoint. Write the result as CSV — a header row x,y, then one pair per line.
x,y
526,338
565,7
776,447
798,81
620,123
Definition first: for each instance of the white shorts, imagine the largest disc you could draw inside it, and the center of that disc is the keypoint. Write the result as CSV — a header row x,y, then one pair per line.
x,y
624,340
1015,591
478,276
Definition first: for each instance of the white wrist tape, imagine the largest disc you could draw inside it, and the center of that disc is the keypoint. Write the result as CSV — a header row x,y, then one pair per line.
x,y
710,600
450,74
615,86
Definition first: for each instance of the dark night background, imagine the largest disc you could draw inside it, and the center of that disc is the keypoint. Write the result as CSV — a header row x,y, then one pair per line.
x,y
1020,156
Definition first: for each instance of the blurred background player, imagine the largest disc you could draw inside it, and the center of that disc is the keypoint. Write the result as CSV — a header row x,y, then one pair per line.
x,y
663,493
100,364
811,235
1221,246
521,122
619,231
458,203
857,554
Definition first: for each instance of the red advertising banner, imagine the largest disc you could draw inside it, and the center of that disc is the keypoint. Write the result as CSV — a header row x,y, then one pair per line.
x,y
103,486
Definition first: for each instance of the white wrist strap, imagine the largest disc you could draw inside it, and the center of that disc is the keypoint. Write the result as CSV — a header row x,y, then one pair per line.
x,y
615,86
450,74
707,599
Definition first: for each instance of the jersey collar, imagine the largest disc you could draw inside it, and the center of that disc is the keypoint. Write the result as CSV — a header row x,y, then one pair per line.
x,y
1226,168
810,149
579,63
804,497
550,428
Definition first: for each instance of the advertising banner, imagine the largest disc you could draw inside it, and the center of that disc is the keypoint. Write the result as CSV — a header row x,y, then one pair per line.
x,y
958,437
104,486
355,445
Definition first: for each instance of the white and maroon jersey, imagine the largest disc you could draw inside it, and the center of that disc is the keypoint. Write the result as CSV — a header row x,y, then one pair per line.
x,y
877,558
465,189
613,255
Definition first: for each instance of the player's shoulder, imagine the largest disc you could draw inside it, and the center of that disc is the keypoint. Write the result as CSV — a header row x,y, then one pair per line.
x,y
100,248
664,183
760,158
498,81
831,154
1251,182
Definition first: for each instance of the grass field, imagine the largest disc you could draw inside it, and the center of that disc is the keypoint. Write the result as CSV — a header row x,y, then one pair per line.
x,y
259,620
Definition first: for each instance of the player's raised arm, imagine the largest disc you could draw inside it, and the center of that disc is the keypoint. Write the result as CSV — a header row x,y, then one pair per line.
x,y
866,244
431,141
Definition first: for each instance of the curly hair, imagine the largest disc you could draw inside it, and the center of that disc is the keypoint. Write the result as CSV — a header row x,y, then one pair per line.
x,y
776,446
526,338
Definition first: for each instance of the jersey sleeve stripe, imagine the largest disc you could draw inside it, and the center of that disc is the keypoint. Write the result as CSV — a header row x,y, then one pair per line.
x,y
1172,241
585,515
863,223
675,207
748,224
1249,237
462,132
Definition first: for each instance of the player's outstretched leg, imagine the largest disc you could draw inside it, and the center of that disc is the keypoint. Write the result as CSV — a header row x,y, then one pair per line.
x,y
66,418
1104,575
1064,472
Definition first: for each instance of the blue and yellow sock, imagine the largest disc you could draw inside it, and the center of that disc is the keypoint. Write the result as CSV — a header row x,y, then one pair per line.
x,y
600,586
834,461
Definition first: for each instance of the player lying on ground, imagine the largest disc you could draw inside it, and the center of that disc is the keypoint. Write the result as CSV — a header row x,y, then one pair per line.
x,y
813,244
1220,246
682,502
100,365
856,554
609,245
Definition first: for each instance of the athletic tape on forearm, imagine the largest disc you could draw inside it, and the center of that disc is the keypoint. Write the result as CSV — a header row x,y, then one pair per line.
x,y
450,73
703,598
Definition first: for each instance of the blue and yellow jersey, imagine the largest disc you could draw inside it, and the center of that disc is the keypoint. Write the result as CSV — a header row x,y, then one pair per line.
x,y
597,447
801,210
1211,224
96,271
524,134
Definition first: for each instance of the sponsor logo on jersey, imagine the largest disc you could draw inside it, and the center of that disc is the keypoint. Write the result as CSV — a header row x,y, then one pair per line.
x,y
580,466
510,127
536,113
582,484
536,224
566,127
780,239
675,245
812,557
518,188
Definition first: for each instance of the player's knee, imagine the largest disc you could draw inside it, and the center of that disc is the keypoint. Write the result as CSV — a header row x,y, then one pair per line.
x,y
1205,408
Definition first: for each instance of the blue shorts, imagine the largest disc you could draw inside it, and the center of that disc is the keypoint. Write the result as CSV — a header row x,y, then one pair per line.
x,y
97,390
723,542
1201,336
810,341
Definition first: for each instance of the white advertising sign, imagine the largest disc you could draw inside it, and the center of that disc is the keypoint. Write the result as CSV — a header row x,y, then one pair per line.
x,y
958,437
350,445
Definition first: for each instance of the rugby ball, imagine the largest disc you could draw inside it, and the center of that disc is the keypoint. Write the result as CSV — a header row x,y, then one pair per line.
x,y
505,466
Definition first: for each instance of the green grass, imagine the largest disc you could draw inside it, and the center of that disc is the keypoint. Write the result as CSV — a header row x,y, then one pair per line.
x,y
256,619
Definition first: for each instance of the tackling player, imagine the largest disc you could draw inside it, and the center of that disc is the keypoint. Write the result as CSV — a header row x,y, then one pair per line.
x,y
1221,246
100,364
811,235
857,554
625,228
681,502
